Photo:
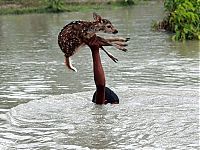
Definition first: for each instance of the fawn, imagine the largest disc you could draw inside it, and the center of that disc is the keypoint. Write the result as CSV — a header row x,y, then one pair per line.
x,y
78,33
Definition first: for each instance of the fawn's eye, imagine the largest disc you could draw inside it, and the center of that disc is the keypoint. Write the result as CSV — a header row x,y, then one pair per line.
x,y
109,26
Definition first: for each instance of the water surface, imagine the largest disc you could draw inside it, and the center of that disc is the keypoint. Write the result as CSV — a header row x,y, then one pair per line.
x,y
45,106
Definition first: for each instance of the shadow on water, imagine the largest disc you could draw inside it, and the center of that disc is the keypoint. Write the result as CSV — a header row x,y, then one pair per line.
x,y
157,81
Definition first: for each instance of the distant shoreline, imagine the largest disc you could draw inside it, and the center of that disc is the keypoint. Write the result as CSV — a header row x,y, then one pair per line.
x,y
36,6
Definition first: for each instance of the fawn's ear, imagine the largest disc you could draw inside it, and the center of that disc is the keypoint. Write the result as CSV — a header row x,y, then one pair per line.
x,y
96,17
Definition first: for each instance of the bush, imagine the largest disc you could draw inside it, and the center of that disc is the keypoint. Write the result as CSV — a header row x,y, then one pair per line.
x,y
122,3
55,5
183,19
126,2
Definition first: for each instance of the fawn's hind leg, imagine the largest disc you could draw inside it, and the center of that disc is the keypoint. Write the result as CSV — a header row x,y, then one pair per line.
x,y
68,63
110,55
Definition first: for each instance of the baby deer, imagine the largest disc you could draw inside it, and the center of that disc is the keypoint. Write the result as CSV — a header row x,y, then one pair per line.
x,y
78,33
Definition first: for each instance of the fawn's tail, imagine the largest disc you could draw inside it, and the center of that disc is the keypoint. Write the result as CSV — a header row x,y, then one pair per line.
x,y
68,63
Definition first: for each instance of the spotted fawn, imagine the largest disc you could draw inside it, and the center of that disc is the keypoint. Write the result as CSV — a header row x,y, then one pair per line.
x,y
78,33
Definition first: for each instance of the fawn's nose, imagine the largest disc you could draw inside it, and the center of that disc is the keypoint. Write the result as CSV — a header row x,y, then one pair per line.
x,y
115,32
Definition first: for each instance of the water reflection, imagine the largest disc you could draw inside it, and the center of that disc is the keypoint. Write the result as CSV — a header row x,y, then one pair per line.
x,y
189,49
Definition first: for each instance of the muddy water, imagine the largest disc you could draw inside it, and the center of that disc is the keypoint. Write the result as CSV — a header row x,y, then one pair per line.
x,y
45,106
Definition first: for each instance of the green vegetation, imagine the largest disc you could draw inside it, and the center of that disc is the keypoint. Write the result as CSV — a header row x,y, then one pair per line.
x,y
126,2
56,6
182,19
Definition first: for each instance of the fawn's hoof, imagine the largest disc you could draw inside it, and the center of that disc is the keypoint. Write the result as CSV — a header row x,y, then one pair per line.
x,y
124,49
127,39
115,59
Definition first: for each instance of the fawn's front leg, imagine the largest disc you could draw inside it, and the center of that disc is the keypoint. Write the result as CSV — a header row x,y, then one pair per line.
x,y
104,42
119,39
117,42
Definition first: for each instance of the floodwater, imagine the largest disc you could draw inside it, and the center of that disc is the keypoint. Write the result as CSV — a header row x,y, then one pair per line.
x,y
45,106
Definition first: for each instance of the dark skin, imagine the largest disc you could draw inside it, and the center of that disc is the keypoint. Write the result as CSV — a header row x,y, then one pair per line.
x,y
99,76
95,43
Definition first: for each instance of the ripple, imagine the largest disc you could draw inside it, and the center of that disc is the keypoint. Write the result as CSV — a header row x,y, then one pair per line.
x,y
148,118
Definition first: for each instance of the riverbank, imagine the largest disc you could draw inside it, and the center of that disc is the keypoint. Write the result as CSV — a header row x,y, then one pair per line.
x,y
56,6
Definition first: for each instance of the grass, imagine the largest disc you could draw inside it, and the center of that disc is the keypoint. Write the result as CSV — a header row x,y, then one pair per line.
x,y
41,6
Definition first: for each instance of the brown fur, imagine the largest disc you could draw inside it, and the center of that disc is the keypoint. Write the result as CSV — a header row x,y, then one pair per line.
x,y
76,34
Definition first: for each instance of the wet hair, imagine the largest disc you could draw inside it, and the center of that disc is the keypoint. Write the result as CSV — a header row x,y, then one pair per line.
x,y
110,96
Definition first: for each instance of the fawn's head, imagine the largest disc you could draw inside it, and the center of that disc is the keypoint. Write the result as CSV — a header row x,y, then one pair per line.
x,y
104,25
